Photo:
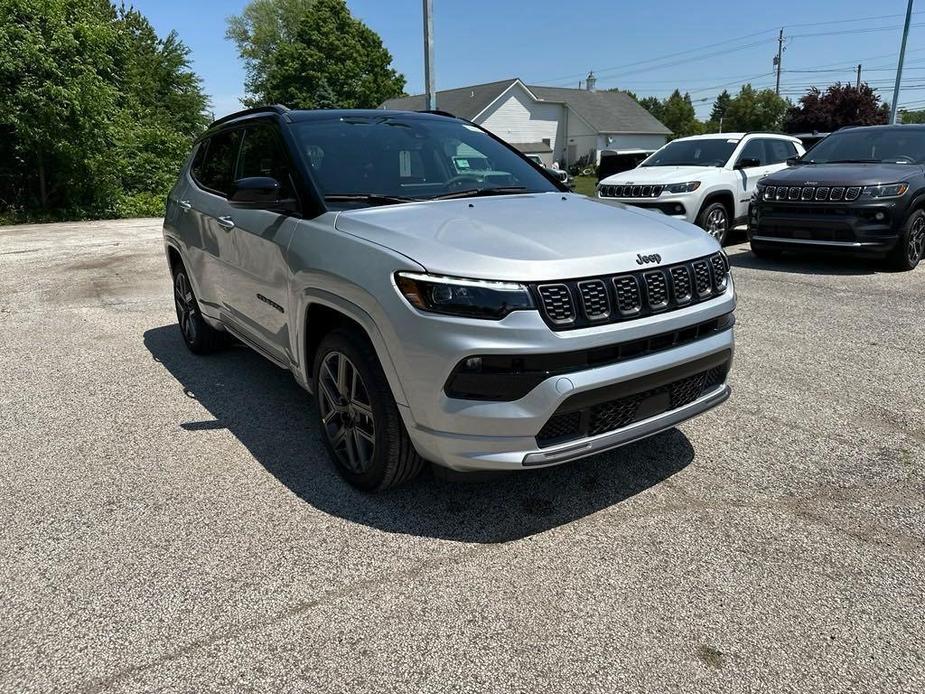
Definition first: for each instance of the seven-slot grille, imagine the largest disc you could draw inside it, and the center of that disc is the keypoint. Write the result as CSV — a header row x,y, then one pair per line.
x,y
637,191
812,193
579,303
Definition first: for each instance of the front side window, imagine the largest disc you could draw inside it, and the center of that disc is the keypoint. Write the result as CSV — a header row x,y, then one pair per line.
x,y
409,158
754,150
901,145
217,170
262,154
705,152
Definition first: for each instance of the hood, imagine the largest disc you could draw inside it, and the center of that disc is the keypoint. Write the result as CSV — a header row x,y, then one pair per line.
x,y
842,174
529,237
661,174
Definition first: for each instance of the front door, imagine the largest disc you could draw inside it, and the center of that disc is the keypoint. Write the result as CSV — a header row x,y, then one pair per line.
x,y
757,151
257,281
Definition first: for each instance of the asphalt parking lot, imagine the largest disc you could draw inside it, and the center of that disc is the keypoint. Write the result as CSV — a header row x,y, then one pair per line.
x,y
170,522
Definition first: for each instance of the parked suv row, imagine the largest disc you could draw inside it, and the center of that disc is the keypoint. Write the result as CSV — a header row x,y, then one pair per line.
x,y
475,317
707,179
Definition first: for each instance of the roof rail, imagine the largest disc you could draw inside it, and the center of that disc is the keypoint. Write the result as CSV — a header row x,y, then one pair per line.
x,y
275,108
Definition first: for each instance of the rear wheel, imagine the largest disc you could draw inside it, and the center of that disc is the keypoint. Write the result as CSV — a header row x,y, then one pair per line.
x,y
910,248
199,336
360,424
714,219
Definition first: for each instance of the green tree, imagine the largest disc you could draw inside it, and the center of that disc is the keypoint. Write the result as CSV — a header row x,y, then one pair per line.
x,y
262,28
96,112
753,109
912,116
720,104
320,57
678,115
653,105
57,97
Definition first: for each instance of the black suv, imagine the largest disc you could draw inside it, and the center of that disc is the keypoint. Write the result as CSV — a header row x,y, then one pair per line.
x,y
860,190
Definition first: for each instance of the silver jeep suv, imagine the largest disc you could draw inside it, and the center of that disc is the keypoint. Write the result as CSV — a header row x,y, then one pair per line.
x,y
478,317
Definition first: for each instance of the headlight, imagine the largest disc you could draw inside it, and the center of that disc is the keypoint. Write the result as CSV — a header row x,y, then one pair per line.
x,y
893,190
688,187
455,296
759,192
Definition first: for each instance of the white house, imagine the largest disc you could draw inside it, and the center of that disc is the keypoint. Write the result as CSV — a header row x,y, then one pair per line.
x,y
561,125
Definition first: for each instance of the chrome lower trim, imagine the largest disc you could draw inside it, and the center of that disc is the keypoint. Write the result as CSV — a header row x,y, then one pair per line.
x,y
810,242
639,430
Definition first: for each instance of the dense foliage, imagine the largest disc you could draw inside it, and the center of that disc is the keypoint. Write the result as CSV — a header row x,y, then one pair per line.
x,y
312,54
96,111
836,107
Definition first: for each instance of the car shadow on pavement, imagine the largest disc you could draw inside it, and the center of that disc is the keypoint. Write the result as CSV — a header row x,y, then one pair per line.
x,y
807,263
273,417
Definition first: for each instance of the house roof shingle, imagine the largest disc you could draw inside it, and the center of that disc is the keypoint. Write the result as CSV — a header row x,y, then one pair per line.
x,y
605,111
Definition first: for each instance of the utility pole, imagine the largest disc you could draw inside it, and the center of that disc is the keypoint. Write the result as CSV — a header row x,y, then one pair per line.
x,y
899,67
780,52
858,84
429,81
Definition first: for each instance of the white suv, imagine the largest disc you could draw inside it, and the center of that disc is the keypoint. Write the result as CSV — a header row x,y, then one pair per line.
x,y
706,179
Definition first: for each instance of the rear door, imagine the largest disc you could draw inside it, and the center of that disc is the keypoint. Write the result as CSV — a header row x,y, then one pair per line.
x,y
257,277
209,214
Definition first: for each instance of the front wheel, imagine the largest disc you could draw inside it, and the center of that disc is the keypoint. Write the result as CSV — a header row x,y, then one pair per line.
x,y
910,248
360,424
714,219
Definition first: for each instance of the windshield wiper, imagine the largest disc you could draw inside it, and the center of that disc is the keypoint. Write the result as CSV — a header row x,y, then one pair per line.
x,y
477,192
371,198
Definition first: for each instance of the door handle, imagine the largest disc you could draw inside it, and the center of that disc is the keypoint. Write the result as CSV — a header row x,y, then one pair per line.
x,y
185,205
226,223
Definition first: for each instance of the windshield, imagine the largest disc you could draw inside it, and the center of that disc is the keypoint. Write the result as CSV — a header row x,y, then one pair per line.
x,y
894,145
391,159
706,152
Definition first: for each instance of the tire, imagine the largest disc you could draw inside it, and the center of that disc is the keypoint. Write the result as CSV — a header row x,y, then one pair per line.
x,y
359,420
715,220
766,253
199,336
910,247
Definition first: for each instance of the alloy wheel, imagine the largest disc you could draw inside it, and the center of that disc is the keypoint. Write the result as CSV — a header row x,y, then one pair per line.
x,y
346,412
916,245
186,306
717,223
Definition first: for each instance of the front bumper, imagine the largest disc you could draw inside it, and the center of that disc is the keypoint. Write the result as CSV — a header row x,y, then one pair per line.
x,y
678,206
479,435
868,229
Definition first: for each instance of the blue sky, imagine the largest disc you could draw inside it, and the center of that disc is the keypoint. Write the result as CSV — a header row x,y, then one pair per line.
x,y
647,47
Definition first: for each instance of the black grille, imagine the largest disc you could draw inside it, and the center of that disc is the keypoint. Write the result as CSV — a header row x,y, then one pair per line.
x,y
628,299
811,193
620,191
656,289
557,303
594,299
560,427
681,284
612,414
702,280
570,304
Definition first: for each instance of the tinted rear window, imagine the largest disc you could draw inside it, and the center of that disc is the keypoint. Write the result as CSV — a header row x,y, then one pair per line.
x,y
217,170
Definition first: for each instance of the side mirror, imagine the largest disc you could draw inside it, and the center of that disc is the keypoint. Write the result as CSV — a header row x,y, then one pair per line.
x,y
747,163
256,193
793,161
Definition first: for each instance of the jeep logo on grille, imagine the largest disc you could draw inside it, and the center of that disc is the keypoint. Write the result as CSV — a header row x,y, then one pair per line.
x,y
646,259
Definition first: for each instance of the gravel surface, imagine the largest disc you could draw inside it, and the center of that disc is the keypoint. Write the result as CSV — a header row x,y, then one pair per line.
x,y
170,523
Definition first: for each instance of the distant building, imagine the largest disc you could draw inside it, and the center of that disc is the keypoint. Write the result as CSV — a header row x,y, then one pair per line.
x,y
559,124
